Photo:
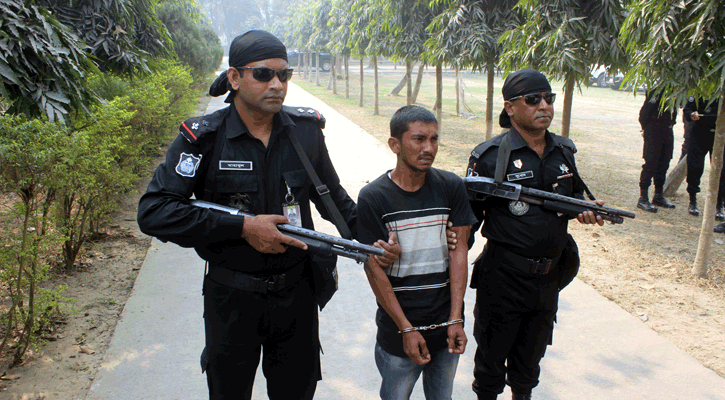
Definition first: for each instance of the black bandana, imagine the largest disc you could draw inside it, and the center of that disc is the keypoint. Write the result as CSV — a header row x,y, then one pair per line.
x,y
521,82
247,48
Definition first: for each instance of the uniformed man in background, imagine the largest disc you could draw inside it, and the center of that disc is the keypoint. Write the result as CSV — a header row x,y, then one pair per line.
x,y
702,114
659,139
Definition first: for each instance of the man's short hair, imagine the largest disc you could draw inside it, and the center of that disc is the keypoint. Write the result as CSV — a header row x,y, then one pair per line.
x,y
400,123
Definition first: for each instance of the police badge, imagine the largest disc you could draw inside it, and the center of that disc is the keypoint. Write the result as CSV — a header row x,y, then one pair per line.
x,y
187,165
518,208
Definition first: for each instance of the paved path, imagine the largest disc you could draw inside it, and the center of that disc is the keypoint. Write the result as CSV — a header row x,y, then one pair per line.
x,y
600,351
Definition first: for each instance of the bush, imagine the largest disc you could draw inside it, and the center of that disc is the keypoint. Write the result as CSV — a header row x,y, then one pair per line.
x,y
29,153
161,102
98,164
63,181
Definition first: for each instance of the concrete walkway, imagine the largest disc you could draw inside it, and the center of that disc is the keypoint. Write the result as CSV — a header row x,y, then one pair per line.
x,y
600,351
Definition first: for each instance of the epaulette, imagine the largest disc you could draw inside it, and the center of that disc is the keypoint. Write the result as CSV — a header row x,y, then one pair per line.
x,y
305,113
481,148
196,127
566,142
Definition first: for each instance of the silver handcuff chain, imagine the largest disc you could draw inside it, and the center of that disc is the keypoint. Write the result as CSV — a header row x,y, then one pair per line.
x,y
429,327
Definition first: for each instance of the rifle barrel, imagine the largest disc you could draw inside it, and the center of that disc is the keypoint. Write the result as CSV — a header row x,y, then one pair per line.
x,y
335,245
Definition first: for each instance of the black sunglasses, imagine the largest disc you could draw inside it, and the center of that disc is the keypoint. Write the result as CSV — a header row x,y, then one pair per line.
x,y
535,98
264,74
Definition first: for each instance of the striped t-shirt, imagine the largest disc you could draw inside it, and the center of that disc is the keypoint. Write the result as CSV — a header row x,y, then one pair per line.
x,y
420,276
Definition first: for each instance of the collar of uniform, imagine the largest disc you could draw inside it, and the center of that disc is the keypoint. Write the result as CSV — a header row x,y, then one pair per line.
x,y
518,142
235,126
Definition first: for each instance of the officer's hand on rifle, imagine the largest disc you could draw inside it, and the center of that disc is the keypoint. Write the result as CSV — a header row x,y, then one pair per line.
x,y
392,250
588,217
261,233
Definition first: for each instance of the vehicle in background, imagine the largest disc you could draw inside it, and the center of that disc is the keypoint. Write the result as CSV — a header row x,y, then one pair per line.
x,y
598,75
293,59
616,84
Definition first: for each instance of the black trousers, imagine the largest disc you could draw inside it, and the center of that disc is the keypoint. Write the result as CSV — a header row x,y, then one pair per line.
x,y
514,321
701,141
657,153
241,325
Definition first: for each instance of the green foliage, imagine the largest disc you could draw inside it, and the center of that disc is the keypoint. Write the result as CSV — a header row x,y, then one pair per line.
x,y
98,164
161,102
565,37
677,47
122,35
64,182
42,63
467,32
195,42
29,152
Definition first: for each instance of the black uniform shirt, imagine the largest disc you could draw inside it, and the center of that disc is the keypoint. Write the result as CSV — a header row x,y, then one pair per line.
x,y
707,111
215,158
650,116
523,228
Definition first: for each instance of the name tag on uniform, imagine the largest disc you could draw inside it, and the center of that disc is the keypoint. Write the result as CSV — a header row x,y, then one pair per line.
x,y
235,165
520,176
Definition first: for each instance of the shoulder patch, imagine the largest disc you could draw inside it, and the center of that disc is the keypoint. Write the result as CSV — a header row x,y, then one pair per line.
x,y
305,113
194,128
566,142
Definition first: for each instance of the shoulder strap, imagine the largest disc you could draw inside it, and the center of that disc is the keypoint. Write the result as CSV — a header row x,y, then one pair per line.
x,y
502,159
322,189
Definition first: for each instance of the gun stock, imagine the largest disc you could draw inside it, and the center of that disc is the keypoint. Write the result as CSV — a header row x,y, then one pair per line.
x,y
316,242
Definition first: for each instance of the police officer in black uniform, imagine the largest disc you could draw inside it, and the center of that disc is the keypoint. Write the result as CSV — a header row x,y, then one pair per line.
x,y
258,292
517,274
657,152
701,114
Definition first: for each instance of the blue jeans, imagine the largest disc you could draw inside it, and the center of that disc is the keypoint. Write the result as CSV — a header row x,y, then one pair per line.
x,y
400,374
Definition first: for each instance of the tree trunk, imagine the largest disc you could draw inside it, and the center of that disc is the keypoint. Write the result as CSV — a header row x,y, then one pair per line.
x,y
409,86
299,63
418,81
361,103
308,70
675,178
317,68
376,109
396,90
699,269
334,74
566,112
307,63
458,93
347,76
439,97
491,71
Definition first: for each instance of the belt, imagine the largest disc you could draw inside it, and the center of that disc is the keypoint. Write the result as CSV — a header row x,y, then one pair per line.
x,y
536,266
257,284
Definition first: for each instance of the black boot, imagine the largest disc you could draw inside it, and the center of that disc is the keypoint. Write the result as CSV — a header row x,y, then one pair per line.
x,y
720,228
692,208
719,212
520,396
659,199
644,204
